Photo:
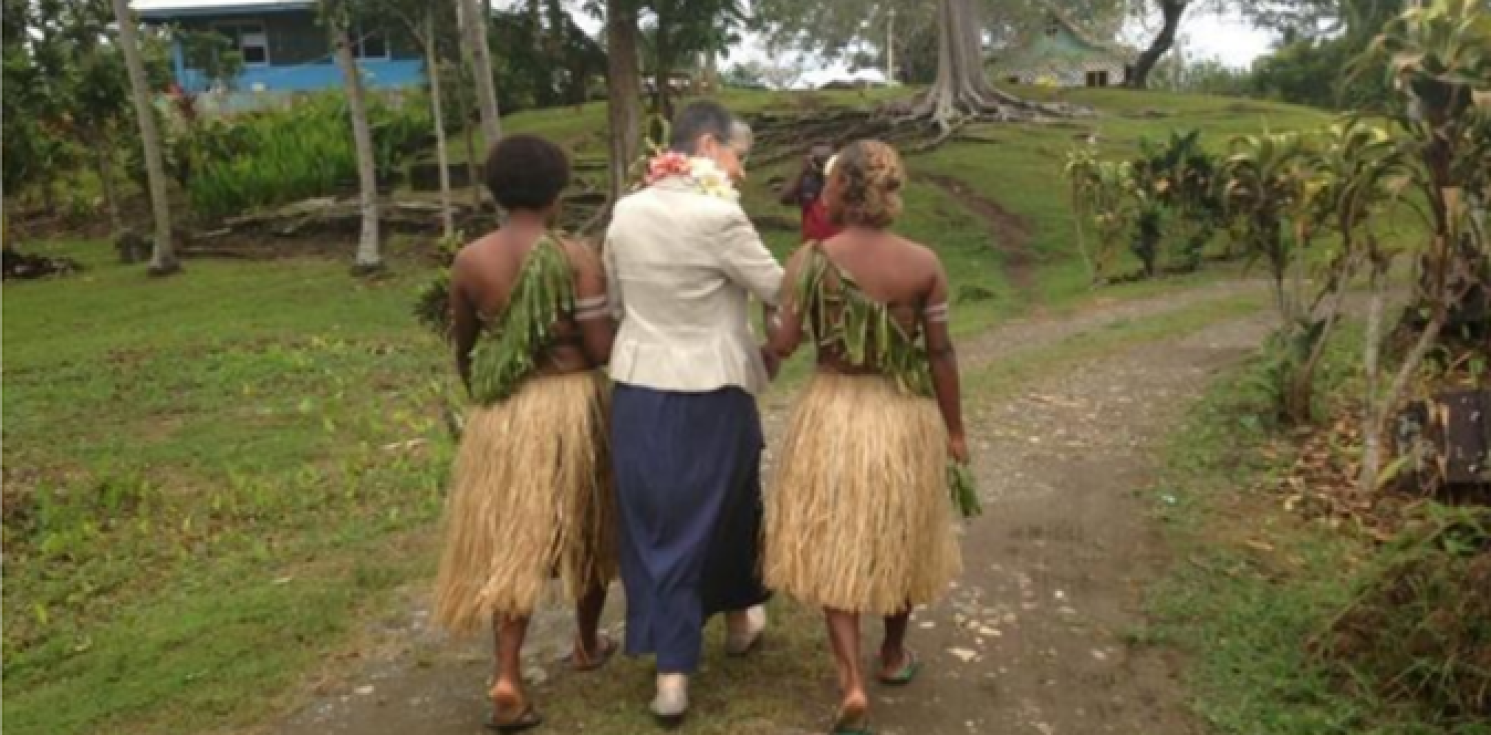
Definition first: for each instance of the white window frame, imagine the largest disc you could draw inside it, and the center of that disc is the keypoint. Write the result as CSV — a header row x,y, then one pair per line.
x,y
358,46
242,36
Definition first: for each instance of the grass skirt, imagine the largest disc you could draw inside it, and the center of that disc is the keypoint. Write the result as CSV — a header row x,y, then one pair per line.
x,y
531,498
858,517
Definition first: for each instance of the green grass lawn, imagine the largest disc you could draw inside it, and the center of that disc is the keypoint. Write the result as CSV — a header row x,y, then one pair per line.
x,y
210,479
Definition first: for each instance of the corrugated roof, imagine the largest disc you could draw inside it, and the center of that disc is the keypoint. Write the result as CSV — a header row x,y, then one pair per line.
x,y
173,8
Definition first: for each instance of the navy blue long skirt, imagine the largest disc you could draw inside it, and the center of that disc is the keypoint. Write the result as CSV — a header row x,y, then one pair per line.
x,y
688,489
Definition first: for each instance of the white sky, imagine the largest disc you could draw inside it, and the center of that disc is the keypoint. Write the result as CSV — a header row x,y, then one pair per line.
x,y
1224,36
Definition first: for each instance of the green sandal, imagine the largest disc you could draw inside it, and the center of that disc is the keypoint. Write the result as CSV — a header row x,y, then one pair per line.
x,y
904,675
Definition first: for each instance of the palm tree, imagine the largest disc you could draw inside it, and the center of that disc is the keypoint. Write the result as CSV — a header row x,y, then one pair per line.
x,y
474,30
163,260
369,258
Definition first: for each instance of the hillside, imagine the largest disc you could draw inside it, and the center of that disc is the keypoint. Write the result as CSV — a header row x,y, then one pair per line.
x,y
216,484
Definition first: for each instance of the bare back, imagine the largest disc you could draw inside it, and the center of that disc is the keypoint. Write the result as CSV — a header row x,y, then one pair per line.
x,y
486,273
890,270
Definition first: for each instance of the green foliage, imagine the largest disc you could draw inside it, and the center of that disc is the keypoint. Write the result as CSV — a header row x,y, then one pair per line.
x,y
1099,192
1439,57
67,97
1266,183
214,54
542,58
432,306
963,490
1163,203
506,352
864,330
1418,633
1179,207
271,158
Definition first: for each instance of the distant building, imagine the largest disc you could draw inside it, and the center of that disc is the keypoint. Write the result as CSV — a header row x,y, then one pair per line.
x,y
285,47
1062,54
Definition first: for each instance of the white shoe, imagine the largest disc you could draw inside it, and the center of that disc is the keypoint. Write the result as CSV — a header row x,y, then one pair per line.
x,y
672,700
739,642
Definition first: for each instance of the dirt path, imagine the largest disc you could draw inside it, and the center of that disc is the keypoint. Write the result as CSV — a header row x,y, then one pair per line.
x,y
1009,232
1033,638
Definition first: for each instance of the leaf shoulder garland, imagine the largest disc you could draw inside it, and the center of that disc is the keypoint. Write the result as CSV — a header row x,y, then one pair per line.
x,y
840,315
504,353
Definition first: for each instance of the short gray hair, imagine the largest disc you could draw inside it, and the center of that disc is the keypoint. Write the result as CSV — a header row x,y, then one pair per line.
x,y
698,120
741,136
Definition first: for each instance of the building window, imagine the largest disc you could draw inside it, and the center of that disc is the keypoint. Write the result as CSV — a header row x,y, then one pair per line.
x,y
1097,78
370,46
250,40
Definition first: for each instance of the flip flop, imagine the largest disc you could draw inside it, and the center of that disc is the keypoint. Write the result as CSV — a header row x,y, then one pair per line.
x,y
581,662
851,724
904,675
524,722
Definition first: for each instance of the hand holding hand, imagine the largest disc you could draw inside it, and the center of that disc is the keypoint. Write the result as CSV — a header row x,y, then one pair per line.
x,y
773,362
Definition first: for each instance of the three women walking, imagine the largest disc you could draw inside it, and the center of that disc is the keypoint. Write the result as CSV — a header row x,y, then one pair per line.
x,y
857,520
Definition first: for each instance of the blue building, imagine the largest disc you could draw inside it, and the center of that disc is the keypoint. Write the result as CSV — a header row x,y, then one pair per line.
x,y
285,47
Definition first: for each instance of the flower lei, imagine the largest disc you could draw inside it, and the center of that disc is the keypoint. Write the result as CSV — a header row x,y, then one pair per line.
x,y
701,172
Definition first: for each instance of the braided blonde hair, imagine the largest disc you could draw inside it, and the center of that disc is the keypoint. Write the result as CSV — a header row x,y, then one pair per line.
x,y
870,177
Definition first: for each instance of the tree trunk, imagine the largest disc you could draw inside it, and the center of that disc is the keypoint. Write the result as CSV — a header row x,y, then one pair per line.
x,y
711,71
103,157
368,257
468,93
1172,10
442,156
1372,349
473,167
163,260
475,34
663,70
1383,413
624,90
962,89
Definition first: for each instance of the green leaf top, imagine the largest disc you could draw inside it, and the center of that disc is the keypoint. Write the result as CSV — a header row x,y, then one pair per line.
x,y
504,355
840,316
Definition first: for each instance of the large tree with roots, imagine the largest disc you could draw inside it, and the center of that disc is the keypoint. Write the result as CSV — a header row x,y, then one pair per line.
x,y
962,89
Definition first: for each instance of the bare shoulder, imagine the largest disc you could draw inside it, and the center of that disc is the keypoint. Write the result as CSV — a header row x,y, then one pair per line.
x,y
468,256
920,256
580,253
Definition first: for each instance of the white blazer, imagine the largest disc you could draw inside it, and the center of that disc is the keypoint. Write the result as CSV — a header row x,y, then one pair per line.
x,y
681,266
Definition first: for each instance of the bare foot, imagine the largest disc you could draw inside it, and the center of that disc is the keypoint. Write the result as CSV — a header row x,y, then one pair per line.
x,y
508,702
854,712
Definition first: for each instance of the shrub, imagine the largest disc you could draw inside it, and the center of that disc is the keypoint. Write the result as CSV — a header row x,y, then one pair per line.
x,y
1419,632
232,165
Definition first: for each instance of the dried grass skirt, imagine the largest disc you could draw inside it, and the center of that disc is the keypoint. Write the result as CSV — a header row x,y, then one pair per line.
x,y
858,517
531,498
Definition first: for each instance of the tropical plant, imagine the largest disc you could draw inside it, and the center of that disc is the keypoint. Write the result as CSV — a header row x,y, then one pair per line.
x,y
275,157
1100,194
1179,207
1267,182
1360,172
1438,58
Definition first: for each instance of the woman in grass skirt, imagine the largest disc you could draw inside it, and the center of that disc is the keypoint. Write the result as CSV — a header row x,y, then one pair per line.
x,y
858,518
531,496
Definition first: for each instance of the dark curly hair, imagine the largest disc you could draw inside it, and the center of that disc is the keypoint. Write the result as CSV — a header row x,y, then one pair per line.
x,y
526,172
870,176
